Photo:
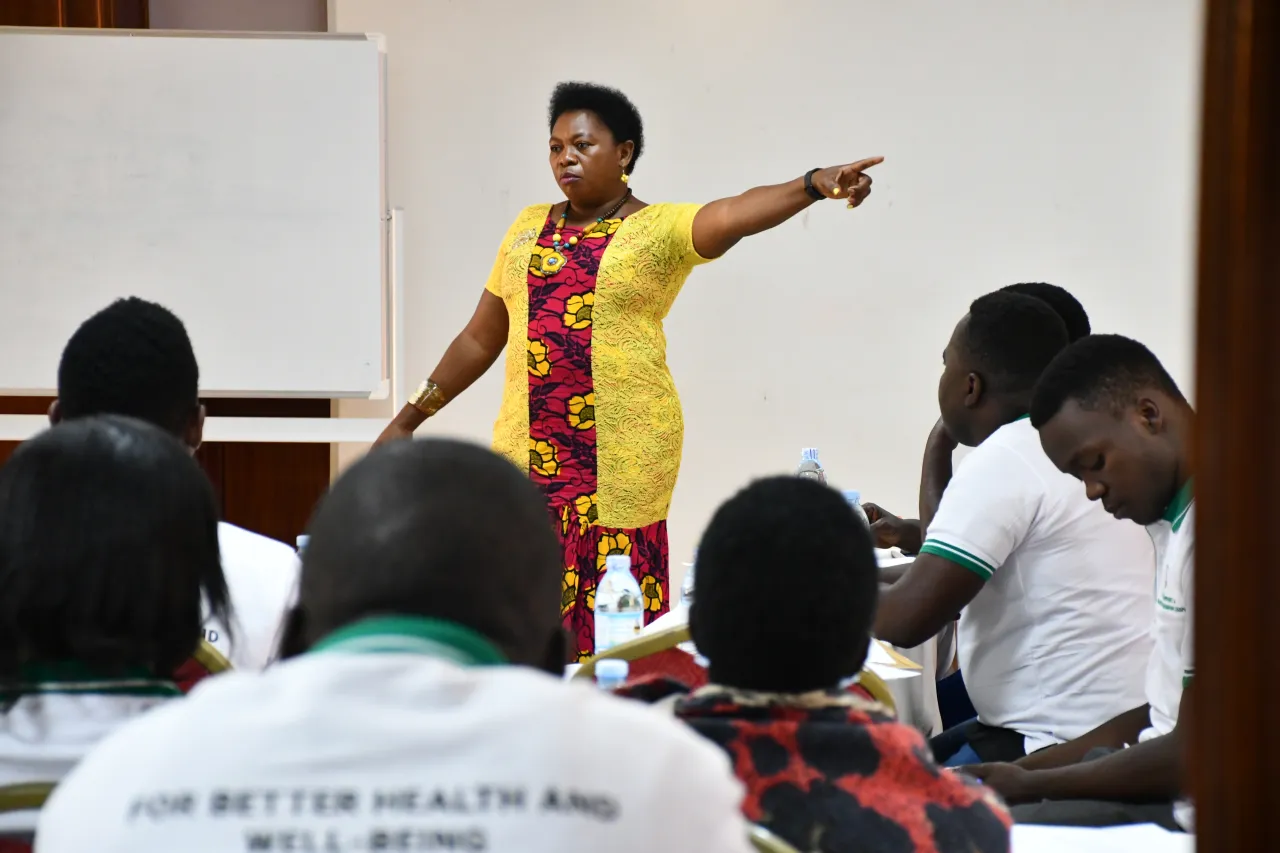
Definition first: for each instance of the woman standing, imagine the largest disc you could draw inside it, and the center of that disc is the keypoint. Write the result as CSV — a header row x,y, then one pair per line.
x,y
578,295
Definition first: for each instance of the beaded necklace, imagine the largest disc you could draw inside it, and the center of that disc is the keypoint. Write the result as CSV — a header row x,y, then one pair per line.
x,y
560,243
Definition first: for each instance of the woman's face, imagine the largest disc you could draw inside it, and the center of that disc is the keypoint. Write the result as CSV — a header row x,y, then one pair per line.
x,y
586,160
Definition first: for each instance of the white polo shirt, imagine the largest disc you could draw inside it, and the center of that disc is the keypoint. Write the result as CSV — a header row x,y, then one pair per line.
x,y
1057,641
56,716
262,578
391,739
1172,662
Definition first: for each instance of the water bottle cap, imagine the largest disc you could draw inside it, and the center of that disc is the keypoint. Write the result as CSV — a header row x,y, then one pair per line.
x,y
809,454
617,561
301,543
613,669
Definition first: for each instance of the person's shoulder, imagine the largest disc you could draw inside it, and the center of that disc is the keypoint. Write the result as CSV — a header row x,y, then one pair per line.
x,y
531,217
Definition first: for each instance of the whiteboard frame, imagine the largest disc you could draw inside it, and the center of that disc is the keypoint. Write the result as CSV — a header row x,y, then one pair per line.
x,y
392,296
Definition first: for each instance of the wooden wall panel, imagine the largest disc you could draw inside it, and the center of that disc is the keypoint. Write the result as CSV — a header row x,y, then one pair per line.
x,y
1235,744
269,488
124,14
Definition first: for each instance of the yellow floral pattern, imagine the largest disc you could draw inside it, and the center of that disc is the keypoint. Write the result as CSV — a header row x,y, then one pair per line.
x,y
577,310
651,587
582,411
612,543
639,432
543,458
588,512
539,364
569,590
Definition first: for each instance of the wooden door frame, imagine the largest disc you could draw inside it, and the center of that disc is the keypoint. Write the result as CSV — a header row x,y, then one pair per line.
x,y
1235,742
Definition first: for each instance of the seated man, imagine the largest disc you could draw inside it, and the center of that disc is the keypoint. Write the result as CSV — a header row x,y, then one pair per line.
x,y
134,358
1053,594
890,531
410,714
787,585
108,544
1111,416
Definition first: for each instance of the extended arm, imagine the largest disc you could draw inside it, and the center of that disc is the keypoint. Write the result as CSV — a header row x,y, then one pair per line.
x,y
924,600
720,224
472,352
1150,771
1116,733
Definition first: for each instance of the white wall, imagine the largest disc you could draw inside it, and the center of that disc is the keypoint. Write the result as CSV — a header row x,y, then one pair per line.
x,y
1026,140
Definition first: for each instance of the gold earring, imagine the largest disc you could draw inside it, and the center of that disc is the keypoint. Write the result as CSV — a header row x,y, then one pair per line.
x,y
626,179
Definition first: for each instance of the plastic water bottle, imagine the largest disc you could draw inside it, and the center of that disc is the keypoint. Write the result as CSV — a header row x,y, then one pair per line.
x,y
686,586
611,673
855,500
301,543
619,604
810,468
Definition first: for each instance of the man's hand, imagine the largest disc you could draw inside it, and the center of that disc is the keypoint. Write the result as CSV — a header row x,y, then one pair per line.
x,y
1010,781
890,531
940,440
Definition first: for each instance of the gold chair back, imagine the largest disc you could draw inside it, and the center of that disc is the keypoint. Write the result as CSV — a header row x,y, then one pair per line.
x,y
210,658
766,842
649,644
25,797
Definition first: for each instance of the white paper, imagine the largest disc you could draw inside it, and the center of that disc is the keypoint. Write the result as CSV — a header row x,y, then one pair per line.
x,y
1139,838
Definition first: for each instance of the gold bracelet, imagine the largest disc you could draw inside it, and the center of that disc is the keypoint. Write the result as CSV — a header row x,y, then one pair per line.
x,y
428,399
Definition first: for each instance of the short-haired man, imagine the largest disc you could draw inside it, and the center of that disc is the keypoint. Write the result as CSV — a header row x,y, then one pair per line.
x,y
134,358
1109,414
412,715
1053,595
891,531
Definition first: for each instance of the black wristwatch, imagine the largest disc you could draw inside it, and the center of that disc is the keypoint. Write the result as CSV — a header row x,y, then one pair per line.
x,y
810,188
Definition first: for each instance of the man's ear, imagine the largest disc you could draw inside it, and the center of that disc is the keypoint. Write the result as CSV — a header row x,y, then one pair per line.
x,y
1150,416
193,437
977,388
55,412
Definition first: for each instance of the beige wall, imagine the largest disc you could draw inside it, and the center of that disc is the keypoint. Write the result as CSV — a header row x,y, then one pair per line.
x,y
251,15
1025,141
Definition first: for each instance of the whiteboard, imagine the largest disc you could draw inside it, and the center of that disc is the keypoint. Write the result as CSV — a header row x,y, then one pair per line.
x,y
235,178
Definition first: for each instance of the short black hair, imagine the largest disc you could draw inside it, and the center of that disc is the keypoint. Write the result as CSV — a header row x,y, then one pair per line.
x,y
434,528
1011,339
1060,300
108,550
131,358
1099,371
786,588
611,106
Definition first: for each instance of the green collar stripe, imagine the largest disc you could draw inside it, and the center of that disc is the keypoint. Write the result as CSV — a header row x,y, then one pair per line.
x,y
1176,511
104,687
416,636
75,678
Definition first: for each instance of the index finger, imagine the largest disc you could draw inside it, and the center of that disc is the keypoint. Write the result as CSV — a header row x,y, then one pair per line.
x,y
863,165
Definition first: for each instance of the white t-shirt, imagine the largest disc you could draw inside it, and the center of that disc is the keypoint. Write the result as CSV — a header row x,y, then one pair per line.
x,y
262,578
1172,662
340,751
47,731
1057,641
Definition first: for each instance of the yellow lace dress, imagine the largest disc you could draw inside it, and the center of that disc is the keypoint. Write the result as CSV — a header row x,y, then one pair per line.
x,y
589,407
